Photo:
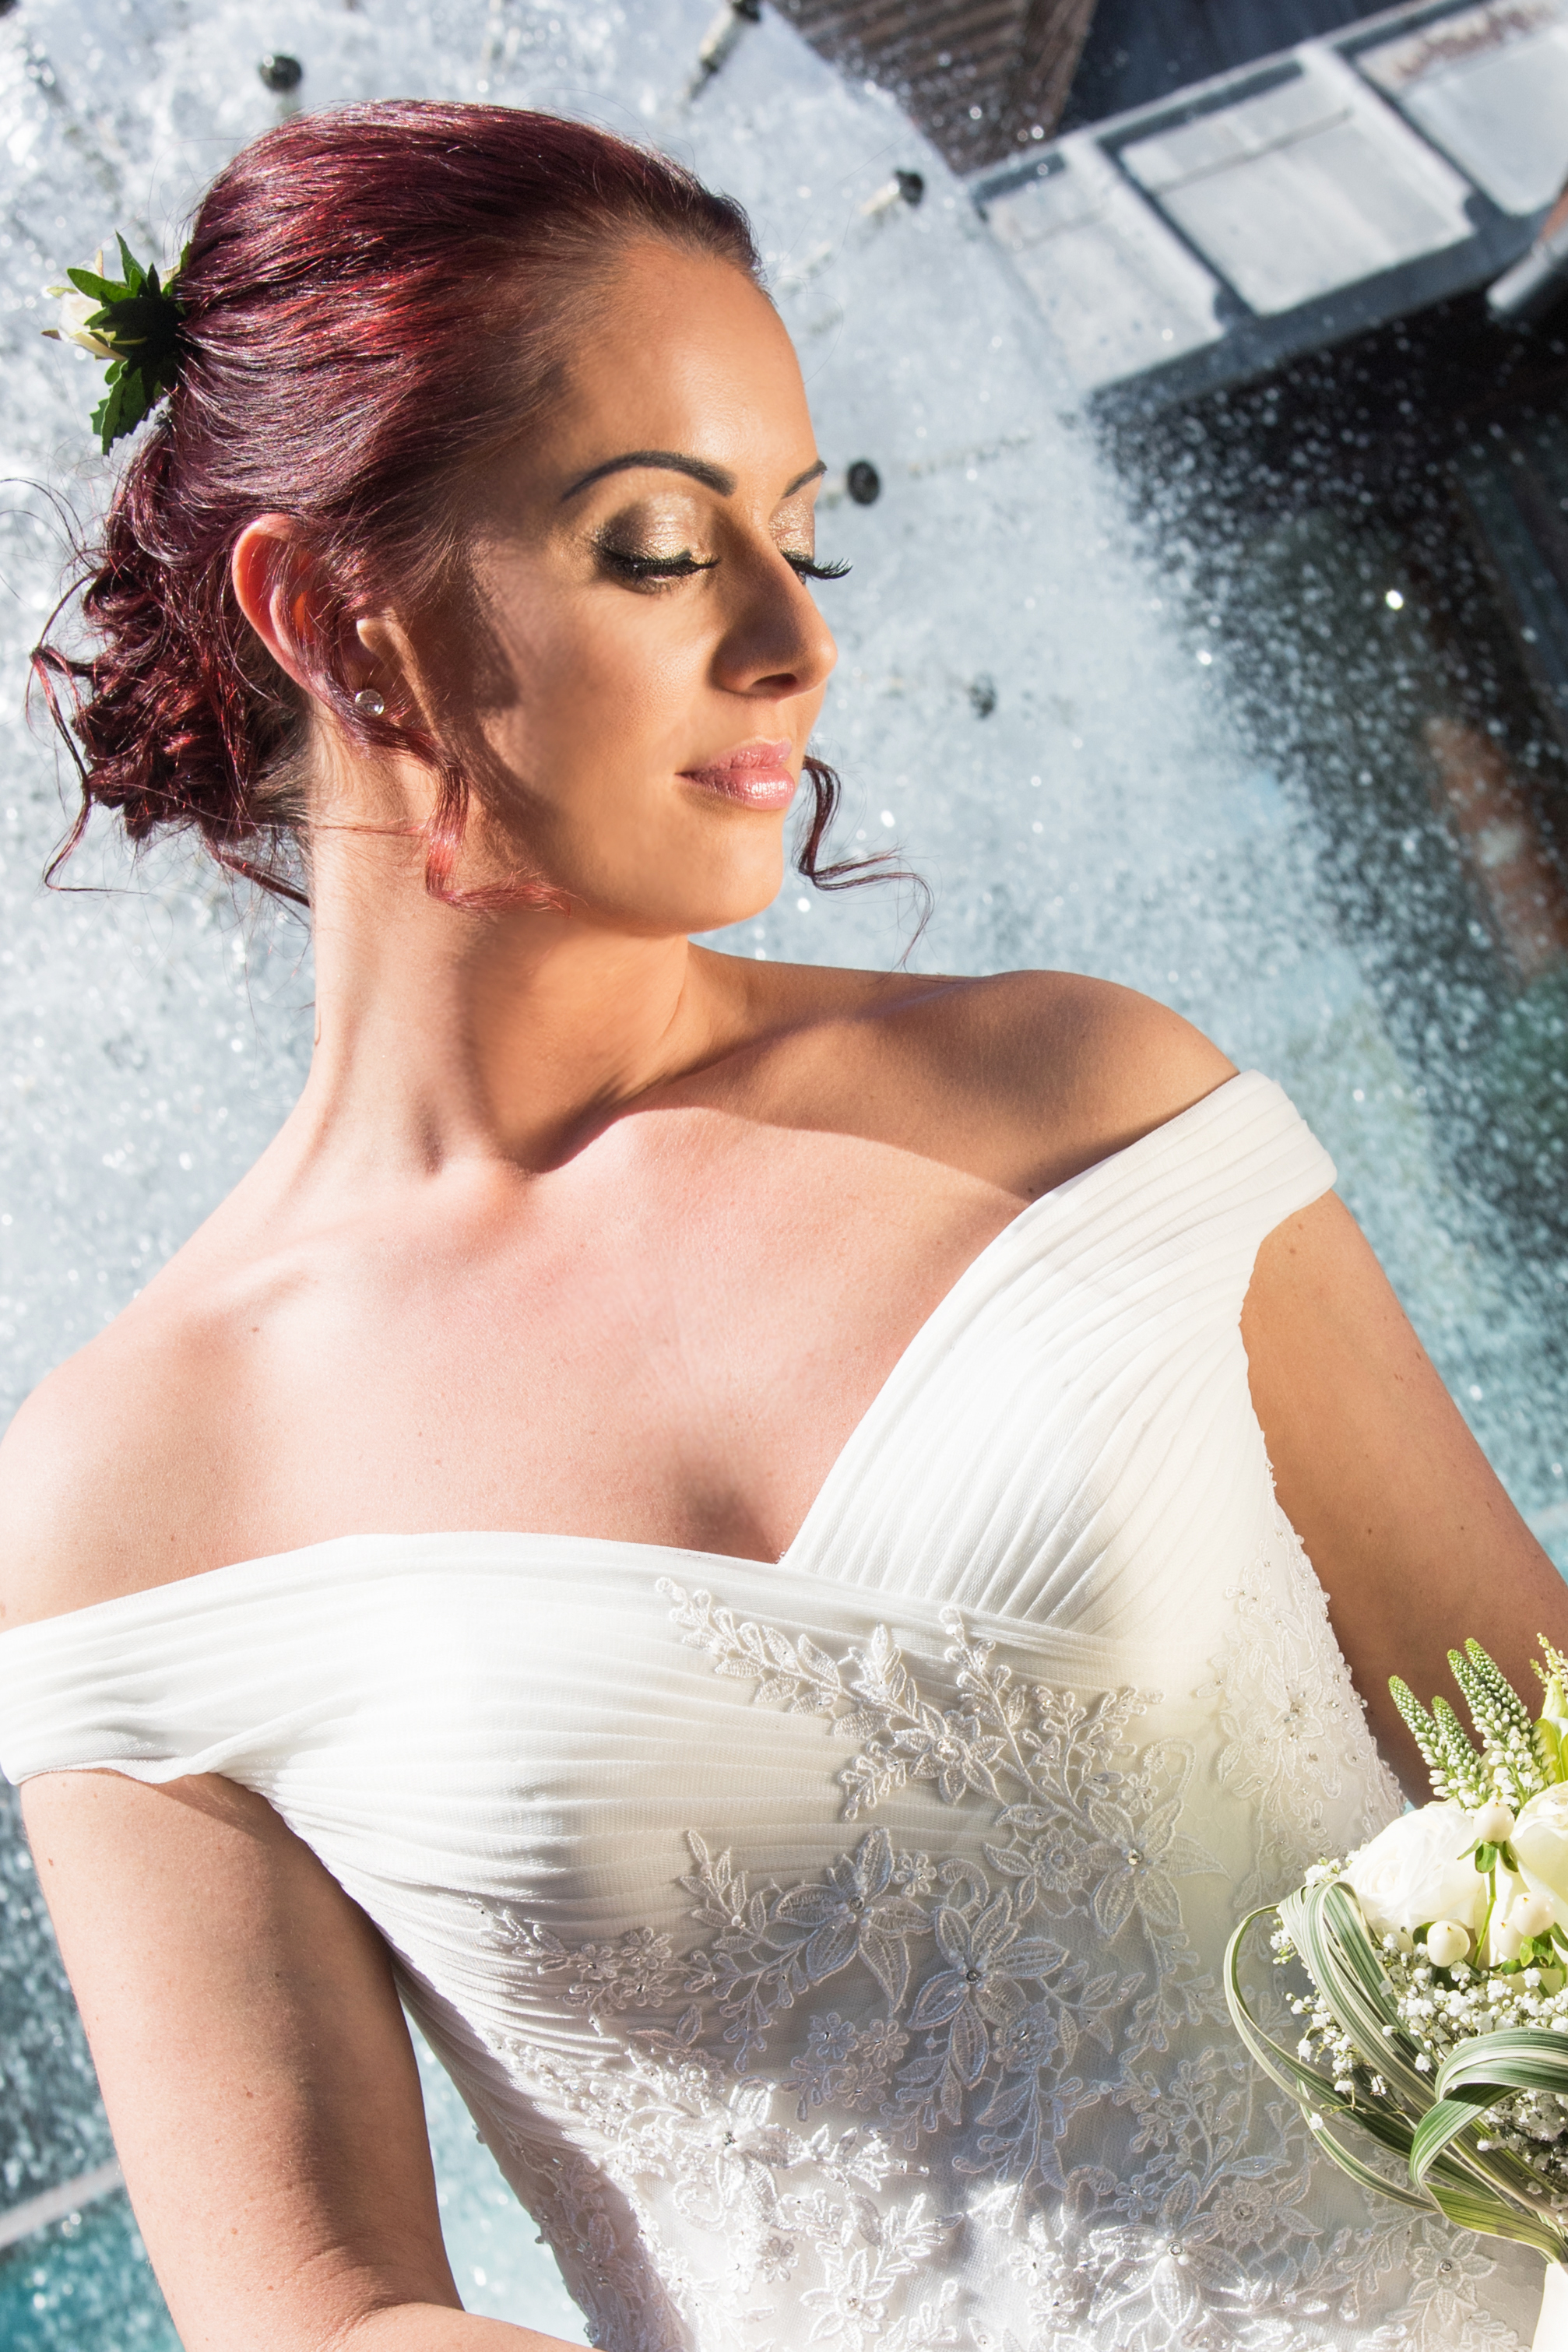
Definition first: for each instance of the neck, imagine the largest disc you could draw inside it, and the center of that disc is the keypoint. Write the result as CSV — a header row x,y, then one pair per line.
x,y
442,1034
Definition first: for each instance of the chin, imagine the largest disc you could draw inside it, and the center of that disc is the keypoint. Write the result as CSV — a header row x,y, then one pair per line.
x,y
734,898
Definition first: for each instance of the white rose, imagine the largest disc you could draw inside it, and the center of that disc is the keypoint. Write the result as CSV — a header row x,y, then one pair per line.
x,y
1541,1841
1419,1869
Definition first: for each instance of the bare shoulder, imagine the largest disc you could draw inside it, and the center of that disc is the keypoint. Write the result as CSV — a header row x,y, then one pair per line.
x,y
1024,1077
115,1453
1076,1067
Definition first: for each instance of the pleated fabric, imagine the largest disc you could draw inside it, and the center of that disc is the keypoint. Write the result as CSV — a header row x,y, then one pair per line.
x,y
828,1950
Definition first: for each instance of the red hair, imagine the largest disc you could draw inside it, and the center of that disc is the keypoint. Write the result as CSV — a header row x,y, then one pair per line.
x,y
375,298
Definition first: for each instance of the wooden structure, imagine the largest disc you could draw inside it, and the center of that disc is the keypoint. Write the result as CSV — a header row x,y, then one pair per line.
x,y
983,78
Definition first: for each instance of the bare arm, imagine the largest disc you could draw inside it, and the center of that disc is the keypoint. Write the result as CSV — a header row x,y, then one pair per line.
x,y
258,2073
1416,1542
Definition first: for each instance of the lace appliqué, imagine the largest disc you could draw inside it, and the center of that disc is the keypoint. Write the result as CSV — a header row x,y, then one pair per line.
x,y
965,1956
1021,2031
772,2209
607,2271
1294,1729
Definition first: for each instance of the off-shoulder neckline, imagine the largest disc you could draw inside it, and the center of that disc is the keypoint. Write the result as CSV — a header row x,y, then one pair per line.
x,y
952,1301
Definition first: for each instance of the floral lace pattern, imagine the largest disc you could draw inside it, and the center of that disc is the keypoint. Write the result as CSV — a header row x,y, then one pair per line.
x,y
1295,1731
850,2098
770,2206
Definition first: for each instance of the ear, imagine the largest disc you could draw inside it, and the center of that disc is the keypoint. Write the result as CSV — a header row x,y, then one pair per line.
x,y
382,642
278,591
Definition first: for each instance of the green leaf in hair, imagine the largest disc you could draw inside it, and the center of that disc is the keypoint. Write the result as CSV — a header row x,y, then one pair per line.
x,y
137,323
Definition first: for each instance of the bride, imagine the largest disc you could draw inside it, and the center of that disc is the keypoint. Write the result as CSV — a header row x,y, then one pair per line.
x,y
708,1529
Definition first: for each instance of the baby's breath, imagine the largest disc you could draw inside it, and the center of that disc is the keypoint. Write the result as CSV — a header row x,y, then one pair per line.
x,y
1438,2009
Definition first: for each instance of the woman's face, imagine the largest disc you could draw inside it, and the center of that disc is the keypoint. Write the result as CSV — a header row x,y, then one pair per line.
x,y
642,661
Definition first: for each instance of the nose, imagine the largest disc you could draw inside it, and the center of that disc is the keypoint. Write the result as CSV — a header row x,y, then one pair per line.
x,y
776,645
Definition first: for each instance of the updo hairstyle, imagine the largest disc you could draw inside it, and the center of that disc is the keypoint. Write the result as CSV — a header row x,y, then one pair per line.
x,y
375,300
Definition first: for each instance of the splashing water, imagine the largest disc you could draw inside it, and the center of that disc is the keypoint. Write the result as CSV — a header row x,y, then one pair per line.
x,y
1025,705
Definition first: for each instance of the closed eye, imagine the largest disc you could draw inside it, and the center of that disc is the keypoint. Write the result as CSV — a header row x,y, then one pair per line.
x,y
686,566
807,567
654,567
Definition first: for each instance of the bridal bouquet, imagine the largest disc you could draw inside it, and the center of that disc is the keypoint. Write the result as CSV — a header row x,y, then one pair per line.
x,y
1436,2019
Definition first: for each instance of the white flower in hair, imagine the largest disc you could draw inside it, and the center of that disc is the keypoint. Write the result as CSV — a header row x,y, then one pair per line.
x,y
75,310
135,323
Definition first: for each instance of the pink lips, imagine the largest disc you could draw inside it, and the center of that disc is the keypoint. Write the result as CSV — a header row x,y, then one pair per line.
x,y
757,775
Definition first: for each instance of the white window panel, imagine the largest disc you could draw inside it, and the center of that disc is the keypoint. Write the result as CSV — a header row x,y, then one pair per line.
x,y
1490,85
1119,292
1303,187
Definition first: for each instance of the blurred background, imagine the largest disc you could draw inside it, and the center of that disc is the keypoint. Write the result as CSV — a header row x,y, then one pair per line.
x,y
1192,378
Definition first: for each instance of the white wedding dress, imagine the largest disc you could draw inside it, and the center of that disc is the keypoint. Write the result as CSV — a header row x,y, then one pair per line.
x,y
829,1949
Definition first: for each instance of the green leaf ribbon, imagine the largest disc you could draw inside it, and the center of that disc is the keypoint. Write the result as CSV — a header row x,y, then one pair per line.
x,y
1432,2123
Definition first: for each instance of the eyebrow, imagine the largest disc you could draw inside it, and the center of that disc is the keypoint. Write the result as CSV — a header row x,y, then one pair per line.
x,y
671,461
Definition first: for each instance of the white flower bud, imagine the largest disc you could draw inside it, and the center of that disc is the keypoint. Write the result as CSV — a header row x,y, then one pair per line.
x,y
1494,1822
1531,1914
1446,1941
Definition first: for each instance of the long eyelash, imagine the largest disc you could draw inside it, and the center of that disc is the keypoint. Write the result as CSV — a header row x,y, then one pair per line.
x,y
655,567
686,566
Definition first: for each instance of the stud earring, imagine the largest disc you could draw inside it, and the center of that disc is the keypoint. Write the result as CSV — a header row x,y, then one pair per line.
x,y
370,702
